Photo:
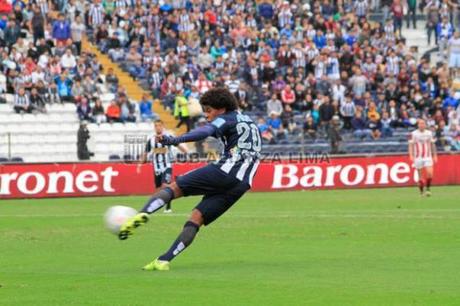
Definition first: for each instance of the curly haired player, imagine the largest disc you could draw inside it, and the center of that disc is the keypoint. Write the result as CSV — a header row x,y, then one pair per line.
x,y
221,183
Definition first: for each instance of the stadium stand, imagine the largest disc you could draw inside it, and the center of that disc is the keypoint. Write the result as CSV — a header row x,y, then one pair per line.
x,y
325,52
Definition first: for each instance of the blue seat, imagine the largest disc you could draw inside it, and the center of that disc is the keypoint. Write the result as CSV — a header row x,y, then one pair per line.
x,y
114,157
128,157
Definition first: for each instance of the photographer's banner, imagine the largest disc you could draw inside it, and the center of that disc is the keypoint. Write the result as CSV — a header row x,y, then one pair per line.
x,y
111,179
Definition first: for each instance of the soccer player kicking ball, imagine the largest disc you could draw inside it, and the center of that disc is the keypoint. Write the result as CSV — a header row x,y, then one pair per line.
x,y
221,183
422,152
161,158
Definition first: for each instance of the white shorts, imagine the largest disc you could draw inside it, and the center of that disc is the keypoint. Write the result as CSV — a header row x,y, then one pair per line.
x,y
421,163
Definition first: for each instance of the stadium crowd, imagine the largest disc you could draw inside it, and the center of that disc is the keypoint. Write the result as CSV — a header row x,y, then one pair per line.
x,y
42,62
321,68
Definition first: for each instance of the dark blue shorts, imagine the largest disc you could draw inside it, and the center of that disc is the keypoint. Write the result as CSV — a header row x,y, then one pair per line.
x,y
220,190
163,178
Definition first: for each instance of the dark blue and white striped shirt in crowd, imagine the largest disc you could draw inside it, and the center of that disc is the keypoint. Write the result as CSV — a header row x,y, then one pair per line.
x,y
361,8
299,60
121,4
156,80
44,7
21,100
347,109
96,14
284,18
184,23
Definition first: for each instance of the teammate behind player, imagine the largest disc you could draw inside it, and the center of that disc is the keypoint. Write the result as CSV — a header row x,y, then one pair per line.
x,y
222,183
422,152
161,158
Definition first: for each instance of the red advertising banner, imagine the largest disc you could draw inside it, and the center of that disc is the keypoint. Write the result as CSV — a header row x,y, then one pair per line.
x,y
109,179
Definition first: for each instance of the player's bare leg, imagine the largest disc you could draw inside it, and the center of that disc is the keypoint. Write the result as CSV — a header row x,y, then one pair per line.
x,y
157,201
429,177
421,181
184,239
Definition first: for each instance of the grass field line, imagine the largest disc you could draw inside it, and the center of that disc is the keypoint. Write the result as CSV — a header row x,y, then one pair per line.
x,y
364,215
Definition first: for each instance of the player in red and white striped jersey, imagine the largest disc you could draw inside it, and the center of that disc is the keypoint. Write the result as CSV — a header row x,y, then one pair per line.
x,y
422,152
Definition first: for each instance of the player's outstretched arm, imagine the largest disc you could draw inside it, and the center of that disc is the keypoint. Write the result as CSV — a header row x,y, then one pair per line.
x,y
194,135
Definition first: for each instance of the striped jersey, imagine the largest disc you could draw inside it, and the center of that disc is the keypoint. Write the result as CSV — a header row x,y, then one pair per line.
x,y
242,142
361,8
421,142
96,13
161,155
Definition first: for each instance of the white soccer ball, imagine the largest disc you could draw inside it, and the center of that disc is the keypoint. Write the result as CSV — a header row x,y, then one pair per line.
x,y
115,216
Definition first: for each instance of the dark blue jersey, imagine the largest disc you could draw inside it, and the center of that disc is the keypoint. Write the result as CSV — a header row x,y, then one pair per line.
x,y
243,144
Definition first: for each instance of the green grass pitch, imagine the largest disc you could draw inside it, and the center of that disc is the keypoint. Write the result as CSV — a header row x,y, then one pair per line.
x,y
340,247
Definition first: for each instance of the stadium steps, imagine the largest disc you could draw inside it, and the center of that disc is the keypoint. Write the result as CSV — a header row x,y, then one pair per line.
x,y
134,90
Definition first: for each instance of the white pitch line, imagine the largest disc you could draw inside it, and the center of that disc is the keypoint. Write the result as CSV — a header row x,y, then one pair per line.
x,y
262,216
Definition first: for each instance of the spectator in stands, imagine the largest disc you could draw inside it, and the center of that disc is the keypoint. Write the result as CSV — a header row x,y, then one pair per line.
x,y
98,112
64,87
127,110
84,110
347,110
89,86
398,14
275,124
358,83
454,54
452,136
11,33
38,25
440,134
82,138
68,61
333,133
145,108
411,13
274,105
77,90
432,7
444,31
310,127
36,101
287,95
113,112
360,128
77,30
111,80
21,102
265,131
450,101
386,129
326,112
61,29
181,111
203,84
373,121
